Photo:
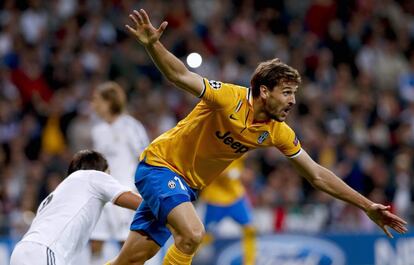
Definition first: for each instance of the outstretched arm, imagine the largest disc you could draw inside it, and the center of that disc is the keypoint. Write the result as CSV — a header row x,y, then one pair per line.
x,y
171,67
323,179
129,199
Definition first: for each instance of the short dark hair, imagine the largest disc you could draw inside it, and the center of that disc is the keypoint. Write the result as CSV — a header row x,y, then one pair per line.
x,y
271,73
113,93
88,159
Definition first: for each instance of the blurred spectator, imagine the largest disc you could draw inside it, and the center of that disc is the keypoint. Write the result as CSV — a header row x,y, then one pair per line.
x,y
33,22
406,84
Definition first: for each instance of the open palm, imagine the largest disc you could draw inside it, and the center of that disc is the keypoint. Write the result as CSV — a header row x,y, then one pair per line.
x,y
144,31
381,215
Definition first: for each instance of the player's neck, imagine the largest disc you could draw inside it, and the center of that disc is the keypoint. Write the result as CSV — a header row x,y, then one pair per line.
x,y
259,115
111,118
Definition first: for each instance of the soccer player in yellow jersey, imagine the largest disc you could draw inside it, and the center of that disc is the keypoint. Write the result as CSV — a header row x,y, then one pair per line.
x,y
226,197
228,121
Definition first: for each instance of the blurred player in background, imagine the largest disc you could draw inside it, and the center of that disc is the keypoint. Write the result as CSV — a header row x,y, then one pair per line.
x,y
66,217
228,121
226,197
121,139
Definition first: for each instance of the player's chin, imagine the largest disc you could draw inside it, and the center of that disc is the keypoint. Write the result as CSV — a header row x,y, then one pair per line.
x,y
279,117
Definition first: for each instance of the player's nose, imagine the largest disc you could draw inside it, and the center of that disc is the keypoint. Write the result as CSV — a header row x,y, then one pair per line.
x,y
292,100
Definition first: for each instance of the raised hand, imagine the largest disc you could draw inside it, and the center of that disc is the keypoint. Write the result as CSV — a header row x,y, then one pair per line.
x,y
144,31
381,215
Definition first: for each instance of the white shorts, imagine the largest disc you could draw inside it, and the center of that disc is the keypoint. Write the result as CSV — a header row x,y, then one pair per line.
x,y
113,224
33,253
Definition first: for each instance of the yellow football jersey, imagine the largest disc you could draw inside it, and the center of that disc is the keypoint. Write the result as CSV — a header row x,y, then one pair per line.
x,y
217,131
227,188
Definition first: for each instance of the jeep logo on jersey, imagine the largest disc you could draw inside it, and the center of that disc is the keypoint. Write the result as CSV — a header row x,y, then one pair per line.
x,y
215,84
228,140
262,137
171,184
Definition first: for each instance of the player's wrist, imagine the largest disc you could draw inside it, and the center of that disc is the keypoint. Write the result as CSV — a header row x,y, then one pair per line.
x,y
151,44
367,205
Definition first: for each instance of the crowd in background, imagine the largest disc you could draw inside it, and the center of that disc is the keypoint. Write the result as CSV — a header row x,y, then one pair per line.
x,y
354,113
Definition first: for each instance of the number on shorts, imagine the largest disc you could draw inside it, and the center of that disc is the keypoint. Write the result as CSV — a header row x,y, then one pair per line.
x,y
181,184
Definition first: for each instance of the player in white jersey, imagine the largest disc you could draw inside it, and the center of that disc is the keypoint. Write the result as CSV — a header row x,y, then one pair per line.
x,y
66,218
121,139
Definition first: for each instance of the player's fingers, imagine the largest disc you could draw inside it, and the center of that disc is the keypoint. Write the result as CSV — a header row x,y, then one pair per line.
x,y
384,228
144,16
397,228
393,223
401,228
399,222
405,229
131,30
138,17
395,217
132,17
162,27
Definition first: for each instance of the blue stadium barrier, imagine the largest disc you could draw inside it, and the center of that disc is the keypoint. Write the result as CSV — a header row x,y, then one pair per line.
x,y
291,249
323,249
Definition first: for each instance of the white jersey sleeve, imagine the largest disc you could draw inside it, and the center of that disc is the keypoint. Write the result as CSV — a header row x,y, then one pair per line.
x,y
106,187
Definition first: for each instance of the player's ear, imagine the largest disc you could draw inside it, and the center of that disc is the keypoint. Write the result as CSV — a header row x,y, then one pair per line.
x,y
264,91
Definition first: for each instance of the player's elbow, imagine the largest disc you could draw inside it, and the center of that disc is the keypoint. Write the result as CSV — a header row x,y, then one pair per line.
x,y
180,76
173,78
176,78
323,180
316,179
317,182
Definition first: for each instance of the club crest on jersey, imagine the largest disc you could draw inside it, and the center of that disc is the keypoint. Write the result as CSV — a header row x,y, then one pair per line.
x,y
215,84
296,141
171,184
262,137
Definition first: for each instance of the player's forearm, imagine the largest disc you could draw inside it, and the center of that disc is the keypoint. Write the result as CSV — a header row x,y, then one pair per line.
x,y
129,199
169,65
333,185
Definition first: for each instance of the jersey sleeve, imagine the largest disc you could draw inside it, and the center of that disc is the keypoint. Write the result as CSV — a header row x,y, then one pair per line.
x,y
286,141
106,187
217,94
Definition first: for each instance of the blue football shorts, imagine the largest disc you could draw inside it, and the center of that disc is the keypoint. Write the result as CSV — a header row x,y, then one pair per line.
x,y
240,211
162,190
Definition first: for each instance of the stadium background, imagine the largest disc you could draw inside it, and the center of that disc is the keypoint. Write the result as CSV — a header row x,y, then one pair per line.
x,y
355,111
